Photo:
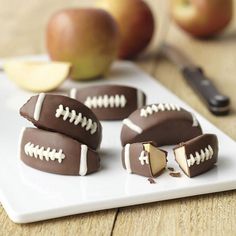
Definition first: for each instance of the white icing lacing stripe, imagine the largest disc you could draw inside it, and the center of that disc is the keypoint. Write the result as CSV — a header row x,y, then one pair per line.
x,y
149,110
73,93
195,121
132,126
86,123
201,156
140,98
143,158
43,153
106,101
38,106
83,160
127,158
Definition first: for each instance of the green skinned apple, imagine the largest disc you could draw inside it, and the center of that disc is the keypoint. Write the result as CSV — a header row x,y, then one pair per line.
x,y
86,38
202,18
136,24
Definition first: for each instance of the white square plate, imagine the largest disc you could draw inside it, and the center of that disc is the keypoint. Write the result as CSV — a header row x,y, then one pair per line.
x,y
30,195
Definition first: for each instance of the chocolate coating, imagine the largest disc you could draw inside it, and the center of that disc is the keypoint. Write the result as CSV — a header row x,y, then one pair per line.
x,y
134,99
48,120
136,167
166,127
196,145
71,149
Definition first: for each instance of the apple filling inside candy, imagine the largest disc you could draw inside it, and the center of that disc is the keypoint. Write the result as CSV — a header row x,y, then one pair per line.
x,y
181,159
157,158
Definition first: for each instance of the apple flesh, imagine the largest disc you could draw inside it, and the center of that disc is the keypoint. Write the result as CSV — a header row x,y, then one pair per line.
x,y
136,24
37,76
86,38
202,18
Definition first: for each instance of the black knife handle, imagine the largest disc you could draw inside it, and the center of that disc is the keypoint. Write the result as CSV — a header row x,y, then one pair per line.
x,y
217,103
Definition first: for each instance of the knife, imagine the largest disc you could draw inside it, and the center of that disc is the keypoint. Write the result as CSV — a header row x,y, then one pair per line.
x,y
216,102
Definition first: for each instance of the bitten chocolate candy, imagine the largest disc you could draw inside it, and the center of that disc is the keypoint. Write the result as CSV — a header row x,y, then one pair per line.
x,y
165,124
64,115
56,153
110,102
197,155
143,159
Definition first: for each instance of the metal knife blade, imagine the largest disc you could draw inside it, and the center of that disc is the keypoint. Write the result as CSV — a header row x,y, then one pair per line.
x,y
216,102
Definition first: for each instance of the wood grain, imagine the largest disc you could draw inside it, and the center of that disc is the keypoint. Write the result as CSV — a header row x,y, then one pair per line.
x,y
22,26
212,214
96,223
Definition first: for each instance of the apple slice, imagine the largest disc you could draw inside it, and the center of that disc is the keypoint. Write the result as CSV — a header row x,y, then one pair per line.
x,y
37,76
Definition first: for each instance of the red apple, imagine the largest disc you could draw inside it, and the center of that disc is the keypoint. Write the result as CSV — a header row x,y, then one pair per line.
x,y
136,24
86,38
202,18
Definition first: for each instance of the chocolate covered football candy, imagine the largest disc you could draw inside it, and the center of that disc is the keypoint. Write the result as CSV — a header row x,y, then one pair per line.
x,y
56,153
143,159
110,102
197,155
64,115
163,123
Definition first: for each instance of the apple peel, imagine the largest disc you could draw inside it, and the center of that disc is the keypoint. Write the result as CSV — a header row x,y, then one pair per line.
x,y
37,76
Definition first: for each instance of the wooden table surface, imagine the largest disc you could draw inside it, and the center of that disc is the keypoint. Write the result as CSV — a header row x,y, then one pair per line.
x,y
22,32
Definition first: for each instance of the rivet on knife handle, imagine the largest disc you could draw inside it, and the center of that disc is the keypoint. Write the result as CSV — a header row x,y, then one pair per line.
x,y
216,102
